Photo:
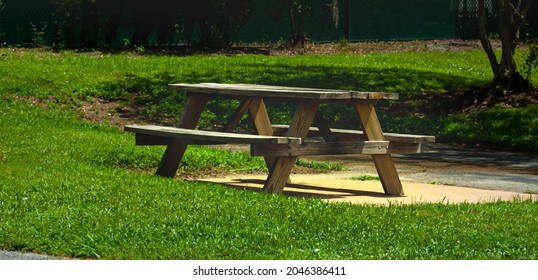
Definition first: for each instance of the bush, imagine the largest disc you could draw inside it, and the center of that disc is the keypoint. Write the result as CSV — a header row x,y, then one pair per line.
x,y
513,127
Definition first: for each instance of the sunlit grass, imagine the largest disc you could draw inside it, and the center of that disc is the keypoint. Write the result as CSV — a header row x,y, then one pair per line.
x,y
68,78
63,191
79,189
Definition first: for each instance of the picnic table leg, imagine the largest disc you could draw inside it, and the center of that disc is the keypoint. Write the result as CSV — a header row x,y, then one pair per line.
x,y
323,126
262,123
282,166
383,163
189,119
260,118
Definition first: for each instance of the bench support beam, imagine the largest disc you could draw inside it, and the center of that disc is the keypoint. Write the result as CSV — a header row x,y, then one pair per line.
x,y
345,135
321,148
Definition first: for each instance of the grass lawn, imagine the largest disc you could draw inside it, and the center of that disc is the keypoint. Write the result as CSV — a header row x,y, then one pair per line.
x,y
425,81
78,189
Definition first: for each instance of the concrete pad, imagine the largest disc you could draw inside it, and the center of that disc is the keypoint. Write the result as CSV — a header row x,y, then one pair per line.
x,y
323,186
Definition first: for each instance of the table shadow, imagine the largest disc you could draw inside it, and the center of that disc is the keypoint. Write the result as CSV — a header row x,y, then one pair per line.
x,y
302,190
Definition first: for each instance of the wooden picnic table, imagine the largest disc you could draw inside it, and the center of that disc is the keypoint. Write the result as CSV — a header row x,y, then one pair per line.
x,y
280,145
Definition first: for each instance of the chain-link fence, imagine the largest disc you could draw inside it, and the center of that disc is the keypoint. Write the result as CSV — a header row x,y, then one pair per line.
x,y
36,22
25,22
468,18
403,20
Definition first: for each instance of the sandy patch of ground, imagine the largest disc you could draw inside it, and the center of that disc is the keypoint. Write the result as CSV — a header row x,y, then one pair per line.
x,y
335,189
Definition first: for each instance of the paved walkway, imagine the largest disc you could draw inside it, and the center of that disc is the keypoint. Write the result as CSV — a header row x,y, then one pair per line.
x,y
442,173
509,171
9,255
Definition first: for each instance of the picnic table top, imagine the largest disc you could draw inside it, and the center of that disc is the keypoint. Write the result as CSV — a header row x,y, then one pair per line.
x,y
254,90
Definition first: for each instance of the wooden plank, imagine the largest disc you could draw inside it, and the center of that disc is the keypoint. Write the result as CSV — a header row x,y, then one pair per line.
x,y
152,140
384,164
237,115
337,148
189,119
352,135
404,148
321,148
210,136
253,90
323,128
260,118
281,168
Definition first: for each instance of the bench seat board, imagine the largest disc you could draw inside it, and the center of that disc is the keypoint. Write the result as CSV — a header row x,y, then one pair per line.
x,y
154,140
208,136
351,135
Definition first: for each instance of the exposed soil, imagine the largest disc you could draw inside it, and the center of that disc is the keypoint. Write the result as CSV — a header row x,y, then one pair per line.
x,y
333,48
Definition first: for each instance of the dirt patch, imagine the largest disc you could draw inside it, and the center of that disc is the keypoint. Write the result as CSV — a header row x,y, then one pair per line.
x,y
344,47
100,110
379,47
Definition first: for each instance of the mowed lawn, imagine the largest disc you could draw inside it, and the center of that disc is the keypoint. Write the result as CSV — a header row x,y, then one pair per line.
x,y
78,189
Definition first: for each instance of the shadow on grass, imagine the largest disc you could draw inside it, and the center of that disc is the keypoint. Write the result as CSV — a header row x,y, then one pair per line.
x,y
401,80
425,96
427,92
299,190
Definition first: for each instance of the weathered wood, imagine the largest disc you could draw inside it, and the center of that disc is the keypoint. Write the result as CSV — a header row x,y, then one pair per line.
x,y
154,140
260,118
383,163
237,116
210,136
281,168
321,148
281,160
337,148
151,140
189,118
323,128
251,90
404,148
344,135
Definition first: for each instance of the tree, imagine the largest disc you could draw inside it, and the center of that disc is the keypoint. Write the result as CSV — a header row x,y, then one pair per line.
x,y
511,18
297,10
213,24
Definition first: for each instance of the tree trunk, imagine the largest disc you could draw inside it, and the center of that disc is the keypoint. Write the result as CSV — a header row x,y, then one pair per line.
x,y
511,15
486,44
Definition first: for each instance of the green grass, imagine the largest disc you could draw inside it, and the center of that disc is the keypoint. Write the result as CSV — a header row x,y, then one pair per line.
x,y
77,189
502,127
365,177
320,166
69,74
63,191
67,78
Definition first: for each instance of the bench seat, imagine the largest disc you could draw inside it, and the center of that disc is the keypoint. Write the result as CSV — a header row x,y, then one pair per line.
x,y
344,135
163,135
